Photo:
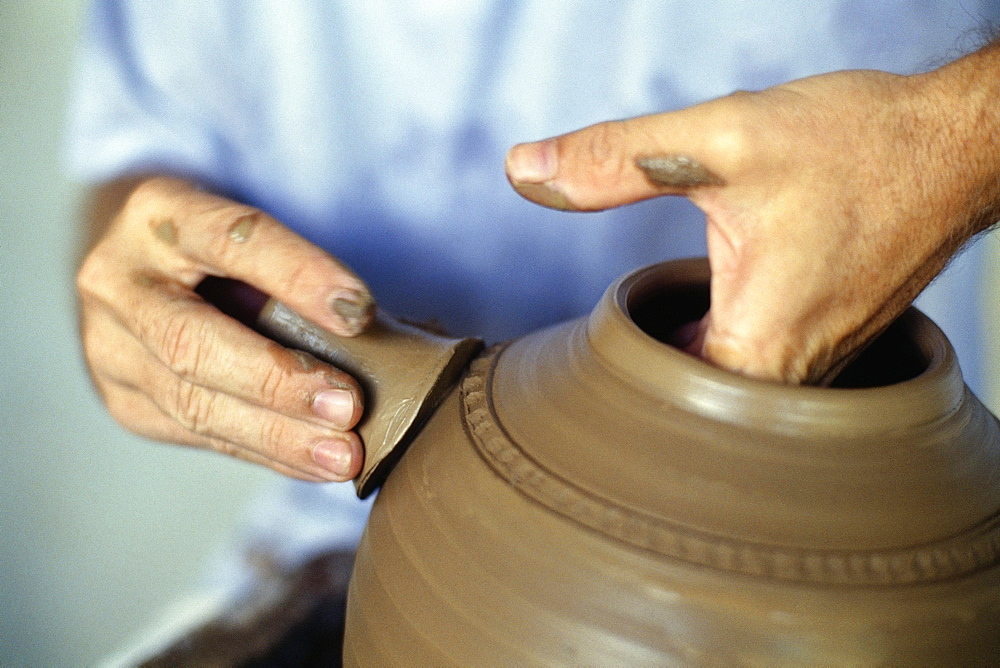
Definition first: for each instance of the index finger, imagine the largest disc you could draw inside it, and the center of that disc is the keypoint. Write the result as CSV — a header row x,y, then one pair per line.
x,y
212,235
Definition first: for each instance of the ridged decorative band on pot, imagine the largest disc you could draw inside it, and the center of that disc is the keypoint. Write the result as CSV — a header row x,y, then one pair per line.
x,y
589,494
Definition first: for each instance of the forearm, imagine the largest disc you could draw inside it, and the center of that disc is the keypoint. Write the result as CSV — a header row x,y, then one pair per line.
x,y
965,100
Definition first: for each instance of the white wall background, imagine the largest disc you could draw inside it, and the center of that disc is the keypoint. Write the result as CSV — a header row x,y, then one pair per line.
x,y
97,528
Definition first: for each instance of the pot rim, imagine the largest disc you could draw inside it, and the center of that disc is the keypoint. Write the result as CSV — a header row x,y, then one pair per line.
x,y
696,386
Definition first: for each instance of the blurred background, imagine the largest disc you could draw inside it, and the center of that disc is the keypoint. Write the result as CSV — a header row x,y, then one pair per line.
x,y
98,529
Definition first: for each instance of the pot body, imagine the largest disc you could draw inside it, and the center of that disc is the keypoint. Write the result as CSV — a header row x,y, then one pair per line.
x,y
590,495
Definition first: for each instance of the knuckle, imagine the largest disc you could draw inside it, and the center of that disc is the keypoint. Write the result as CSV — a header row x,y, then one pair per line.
x,y
95,278
604,146
273,438
302,276
148,190
87,277
125,408
733,147
186,345
272,384
193,407
736,137
731,138
146,200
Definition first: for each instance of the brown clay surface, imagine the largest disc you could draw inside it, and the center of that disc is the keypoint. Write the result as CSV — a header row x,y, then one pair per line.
x,y
404,372
590,495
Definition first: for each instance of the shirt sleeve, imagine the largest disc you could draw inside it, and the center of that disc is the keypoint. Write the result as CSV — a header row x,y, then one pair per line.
x,y
140,99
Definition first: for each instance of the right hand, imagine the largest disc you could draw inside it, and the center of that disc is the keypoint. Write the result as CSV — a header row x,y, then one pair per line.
x,y
172,367
830,202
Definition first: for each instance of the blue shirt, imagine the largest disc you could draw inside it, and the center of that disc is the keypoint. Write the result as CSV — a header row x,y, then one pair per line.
x,y
378,129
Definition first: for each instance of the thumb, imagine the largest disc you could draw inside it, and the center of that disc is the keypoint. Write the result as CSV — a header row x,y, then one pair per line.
x,y
611,164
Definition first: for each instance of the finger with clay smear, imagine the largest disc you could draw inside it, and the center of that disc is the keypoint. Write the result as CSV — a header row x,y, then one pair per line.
x,y
215,236
609,164
193,411
197,343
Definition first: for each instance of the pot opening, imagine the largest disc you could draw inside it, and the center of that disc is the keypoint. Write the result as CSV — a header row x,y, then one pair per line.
x,y
893,357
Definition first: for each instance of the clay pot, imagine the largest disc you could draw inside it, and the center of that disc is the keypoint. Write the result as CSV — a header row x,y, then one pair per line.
x,y
590,495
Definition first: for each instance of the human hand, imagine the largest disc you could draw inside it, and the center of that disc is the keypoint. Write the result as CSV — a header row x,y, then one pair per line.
x,y
172,367
830,203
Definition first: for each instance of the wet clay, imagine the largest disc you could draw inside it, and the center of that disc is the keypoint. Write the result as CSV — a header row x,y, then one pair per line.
x,y
356,310
677,171
404,373
306,361
242,229
590,495
166,231
144,280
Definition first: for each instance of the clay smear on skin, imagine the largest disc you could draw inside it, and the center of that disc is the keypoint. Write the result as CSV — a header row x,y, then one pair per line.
x,y
306,361
166,231
242,229
677,171
143,280
356,309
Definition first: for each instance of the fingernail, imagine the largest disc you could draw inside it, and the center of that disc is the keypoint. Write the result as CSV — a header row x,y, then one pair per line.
x,y
334,456
355,309
337,406
532,163
531,168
